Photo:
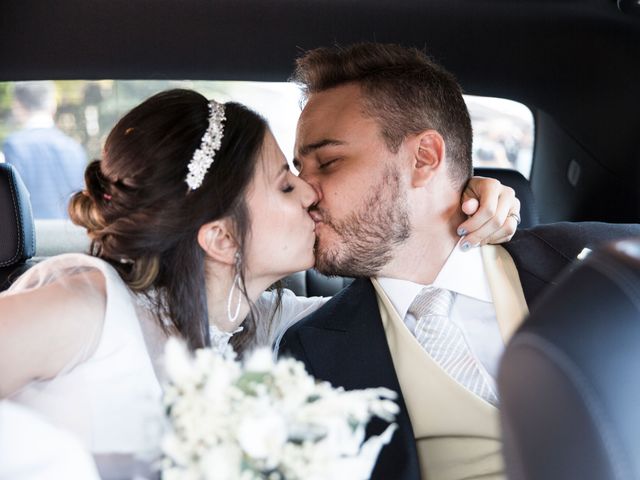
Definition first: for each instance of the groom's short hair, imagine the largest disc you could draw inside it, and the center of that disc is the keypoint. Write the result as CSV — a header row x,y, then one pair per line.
x,y
404,90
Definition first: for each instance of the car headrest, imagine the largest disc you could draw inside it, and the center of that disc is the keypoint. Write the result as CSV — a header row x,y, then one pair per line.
x,y
569,382
17,235
312,283
514,179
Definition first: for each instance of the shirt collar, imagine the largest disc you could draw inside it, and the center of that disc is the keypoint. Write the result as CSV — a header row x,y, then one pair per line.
x,y
463,273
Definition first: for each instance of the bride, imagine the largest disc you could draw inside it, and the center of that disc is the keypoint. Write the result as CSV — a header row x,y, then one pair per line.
x,y
193,213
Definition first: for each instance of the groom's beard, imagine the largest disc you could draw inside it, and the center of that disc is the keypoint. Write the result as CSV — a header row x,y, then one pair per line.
x,y
367,236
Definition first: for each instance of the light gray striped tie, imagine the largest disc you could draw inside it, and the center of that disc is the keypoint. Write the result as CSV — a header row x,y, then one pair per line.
x,y
444,342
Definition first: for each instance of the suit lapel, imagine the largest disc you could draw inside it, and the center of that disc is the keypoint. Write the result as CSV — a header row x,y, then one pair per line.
x,y
353,333
350,350
506,289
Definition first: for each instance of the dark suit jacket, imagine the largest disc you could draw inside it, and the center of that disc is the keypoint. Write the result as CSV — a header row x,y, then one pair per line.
x,y
344,342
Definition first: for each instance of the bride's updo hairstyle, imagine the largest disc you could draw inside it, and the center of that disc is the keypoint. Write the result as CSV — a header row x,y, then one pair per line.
x,y
143,219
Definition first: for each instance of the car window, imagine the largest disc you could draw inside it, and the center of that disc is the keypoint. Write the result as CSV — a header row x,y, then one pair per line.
x,y
83,112
503,133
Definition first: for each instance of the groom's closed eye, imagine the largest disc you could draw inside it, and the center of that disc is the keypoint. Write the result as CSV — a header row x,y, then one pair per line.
x,y
323,165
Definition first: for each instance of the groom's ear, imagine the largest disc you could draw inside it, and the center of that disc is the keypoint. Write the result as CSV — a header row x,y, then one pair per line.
x,y
428,150
217,240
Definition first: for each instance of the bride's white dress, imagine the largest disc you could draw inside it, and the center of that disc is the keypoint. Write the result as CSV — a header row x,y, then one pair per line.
x,y
110,395
32,449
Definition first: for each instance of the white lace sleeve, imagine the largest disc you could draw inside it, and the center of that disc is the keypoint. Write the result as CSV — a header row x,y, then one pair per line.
x,y
272,323
220,340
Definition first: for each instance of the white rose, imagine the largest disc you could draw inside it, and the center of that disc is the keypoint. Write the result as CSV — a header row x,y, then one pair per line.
x,y
174,449
260,360
262,436
178,362
223,462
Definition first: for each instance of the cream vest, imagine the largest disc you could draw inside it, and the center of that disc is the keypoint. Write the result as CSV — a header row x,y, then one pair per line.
x,y
457,433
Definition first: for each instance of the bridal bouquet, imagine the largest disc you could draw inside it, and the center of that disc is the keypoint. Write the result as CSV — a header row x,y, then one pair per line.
x,y
261,419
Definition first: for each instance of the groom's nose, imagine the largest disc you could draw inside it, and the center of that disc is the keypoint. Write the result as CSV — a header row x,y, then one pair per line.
x,y
314,184
309,194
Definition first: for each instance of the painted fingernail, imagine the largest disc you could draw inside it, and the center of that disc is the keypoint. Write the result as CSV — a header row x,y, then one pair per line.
x,y
465,246
462,231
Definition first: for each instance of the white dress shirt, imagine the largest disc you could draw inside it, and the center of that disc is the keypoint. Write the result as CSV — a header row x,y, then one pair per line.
x,y
472,310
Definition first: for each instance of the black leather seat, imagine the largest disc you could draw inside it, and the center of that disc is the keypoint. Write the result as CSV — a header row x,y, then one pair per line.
x,y
528,211
570,378
312,283
17,231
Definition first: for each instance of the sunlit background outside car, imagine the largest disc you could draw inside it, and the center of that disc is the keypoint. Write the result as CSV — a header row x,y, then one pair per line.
x,y
87,110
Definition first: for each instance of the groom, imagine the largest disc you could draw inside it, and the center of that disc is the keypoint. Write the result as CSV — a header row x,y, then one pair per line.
x,y
385,139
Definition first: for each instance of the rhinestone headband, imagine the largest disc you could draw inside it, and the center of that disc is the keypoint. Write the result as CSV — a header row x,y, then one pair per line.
x,y
209,145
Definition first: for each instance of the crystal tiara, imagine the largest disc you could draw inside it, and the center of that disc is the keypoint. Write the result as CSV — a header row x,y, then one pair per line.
x,y
203,157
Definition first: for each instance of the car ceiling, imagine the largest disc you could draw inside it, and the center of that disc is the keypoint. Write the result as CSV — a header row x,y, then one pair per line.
x,y
578,61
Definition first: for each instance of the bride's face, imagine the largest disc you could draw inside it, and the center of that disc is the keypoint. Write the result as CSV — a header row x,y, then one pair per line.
x,y
282,233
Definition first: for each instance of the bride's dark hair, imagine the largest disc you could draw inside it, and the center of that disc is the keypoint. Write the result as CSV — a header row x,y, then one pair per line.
x,y
144,221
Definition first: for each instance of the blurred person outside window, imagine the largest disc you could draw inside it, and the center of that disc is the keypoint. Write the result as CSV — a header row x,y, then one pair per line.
x,y
50,163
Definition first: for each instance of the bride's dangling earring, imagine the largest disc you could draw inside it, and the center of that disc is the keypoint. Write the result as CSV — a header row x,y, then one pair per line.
x,y
236,284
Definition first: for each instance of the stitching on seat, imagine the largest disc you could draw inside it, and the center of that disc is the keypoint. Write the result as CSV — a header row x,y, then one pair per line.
x,y
612,445
18,220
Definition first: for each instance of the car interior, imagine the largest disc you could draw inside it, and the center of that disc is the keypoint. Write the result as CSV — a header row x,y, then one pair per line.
x,y
574,63
570,367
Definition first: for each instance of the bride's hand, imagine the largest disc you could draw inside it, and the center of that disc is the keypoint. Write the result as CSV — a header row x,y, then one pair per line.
x,y
493,209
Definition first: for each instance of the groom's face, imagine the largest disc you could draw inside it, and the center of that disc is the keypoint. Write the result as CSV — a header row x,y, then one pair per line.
x,y
361,214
